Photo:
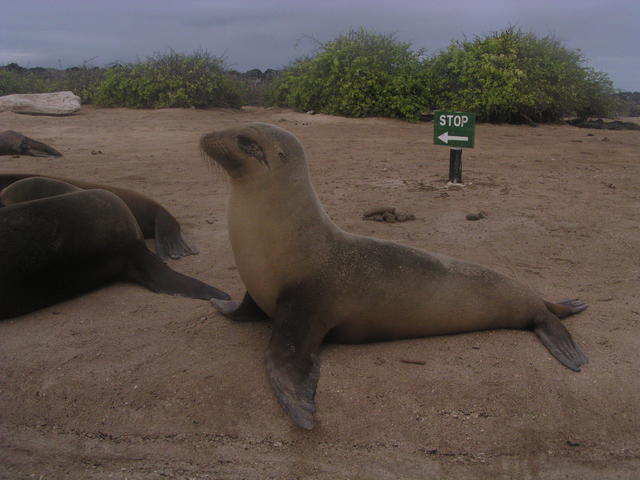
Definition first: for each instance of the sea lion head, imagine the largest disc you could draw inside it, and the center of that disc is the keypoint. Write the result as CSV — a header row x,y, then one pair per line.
x,y
254,151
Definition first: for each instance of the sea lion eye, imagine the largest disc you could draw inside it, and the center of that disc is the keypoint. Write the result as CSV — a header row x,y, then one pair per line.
x,y
251,148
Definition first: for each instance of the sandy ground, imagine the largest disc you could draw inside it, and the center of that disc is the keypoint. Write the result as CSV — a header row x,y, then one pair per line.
x,y
126,384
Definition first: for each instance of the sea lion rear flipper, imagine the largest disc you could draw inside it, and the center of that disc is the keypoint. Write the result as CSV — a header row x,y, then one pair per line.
x,y
245,311
293,364
170,242
558,341
151,272
566,307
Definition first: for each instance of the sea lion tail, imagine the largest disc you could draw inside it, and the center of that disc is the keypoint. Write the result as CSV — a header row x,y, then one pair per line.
x,y
558,341
151,272
566,307
170,242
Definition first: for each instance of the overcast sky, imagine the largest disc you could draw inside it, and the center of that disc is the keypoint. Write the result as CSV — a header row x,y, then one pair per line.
x,y
271,33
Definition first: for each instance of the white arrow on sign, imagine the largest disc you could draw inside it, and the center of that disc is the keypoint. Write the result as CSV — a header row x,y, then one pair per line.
x,y
445,137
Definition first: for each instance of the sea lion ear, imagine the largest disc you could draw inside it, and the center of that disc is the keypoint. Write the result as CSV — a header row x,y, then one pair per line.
x,y
253,149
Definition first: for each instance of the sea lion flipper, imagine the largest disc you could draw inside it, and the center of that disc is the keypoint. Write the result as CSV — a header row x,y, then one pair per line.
x,y
558,341
245,311
151,272
170,242
34,148
566,307
294,380
293,364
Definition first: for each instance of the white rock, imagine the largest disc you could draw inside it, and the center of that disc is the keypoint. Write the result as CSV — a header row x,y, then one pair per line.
x,y
56,103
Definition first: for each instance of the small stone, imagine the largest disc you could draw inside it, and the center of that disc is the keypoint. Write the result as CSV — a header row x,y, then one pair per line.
x,y
389,217
476,216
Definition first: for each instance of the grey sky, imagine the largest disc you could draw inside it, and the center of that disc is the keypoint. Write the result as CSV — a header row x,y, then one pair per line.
x,y
263,34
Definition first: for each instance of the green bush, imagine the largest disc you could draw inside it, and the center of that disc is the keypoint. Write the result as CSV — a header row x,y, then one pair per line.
x,y
358,74
83,81
515,76
170,80
23,82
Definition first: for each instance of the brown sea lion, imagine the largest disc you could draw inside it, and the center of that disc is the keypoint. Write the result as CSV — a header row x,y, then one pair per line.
x,y
317,281
14,143
58,247
154,220
34,188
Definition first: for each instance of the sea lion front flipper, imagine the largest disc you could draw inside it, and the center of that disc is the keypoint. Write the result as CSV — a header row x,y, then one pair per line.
x,y
245,311
170,242
151,272
293,364
558,341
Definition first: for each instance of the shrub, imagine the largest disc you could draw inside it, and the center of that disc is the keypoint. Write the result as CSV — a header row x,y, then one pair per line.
x,y
170,80
358,74
83,81
12,81
515,76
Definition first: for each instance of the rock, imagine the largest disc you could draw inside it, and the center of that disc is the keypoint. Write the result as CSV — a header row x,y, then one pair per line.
x,y
387,214
476,216
378,211
389,217
404,217
56,103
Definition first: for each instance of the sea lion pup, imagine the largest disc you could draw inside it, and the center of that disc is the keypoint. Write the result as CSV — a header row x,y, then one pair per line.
x,y
315,280
14,143
154,220
58,247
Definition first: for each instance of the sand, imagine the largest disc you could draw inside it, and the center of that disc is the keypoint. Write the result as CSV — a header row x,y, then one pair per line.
x,y
127,384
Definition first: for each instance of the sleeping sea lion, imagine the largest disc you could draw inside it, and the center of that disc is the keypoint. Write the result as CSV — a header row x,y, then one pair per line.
x,y
154,220
316,281
34,188
14,143
58,247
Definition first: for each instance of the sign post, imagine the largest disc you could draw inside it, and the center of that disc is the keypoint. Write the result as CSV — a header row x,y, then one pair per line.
x,y
455,130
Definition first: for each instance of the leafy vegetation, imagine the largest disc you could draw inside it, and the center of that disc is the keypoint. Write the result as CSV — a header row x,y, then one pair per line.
x,y
358,74
504,76
170,80
628,104
514,76
83,80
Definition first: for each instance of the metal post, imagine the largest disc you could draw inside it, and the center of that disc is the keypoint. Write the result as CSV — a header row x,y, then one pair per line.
x,y
455,165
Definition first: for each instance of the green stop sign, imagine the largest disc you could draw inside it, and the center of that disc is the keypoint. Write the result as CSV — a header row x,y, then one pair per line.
x,y
454,129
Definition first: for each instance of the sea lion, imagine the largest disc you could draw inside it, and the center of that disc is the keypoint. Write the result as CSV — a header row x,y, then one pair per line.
x,y
14,143
317,281
58,247
154,220
34,188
